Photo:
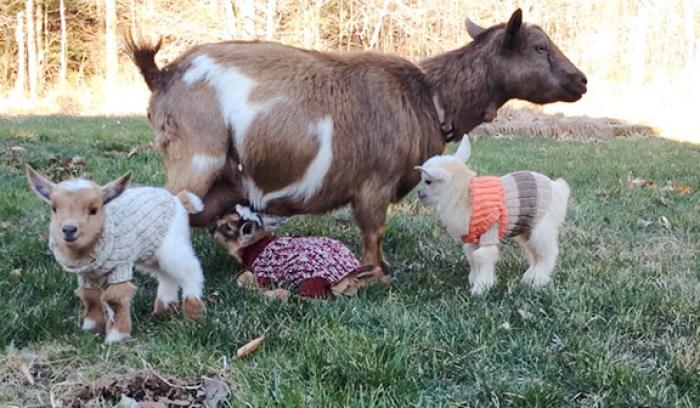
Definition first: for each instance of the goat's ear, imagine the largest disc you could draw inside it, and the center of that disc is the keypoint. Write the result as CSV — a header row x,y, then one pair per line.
x,y
473,29
432,173
113,189
41,185
464,150
513,27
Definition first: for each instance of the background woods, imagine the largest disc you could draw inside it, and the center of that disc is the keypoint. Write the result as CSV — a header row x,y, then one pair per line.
x,y
64,55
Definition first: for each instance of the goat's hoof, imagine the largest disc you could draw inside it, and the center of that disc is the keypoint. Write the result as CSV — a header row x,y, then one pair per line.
x,y
192,308
115,336
246,280
276,294
161,308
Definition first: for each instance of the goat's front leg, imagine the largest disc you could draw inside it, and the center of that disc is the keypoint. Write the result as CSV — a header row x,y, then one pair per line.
x,y
117,298
93,311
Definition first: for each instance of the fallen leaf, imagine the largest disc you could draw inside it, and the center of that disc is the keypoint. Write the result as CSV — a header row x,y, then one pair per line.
x,y
18,149
682,189
250,348
665,222
638,182
132,152
644,223
23,368
180,403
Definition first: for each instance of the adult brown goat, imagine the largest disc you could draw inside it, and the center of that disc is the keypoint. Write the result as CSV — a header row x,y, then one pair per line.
x,y
297,131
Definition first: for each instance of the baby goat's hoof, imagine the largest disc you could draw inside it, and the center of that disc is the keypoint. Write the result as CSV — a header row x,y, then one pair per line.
x,y
161,308
115,336
90,325
192,308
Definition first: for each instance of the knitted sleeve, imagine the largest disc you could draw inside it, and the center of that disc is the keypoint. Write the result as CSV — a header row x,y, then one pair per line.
x,y
90,281
122,273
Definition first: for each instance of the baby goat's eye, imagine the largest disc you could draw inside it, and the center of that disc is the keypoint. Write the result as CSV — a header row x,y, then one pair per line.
x,y
428,182
53,209
93,211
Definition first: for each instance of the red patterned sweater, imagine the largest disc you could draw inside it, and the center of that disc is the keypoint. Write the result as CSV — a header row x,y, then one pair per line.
x,y
311,264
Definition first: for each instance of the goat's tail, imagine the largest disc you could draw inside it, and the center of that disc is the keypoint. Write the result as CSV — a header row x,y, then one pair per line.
x,y
143,53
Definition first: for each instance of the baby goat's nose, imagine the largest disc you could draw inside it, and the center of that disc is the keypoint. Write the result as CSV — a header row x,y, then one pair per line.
x,y
69,230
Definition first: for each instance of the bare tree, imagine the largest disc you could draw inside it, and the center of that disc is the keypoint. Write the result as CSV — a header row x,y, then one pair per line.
x,y
21,69
39,38
270,24
31,48
64,44
229,19
247,9
111,60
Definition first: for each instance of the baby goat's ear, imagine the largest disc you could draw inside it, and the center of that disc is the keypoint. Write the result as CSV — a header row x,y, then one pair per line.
x,y
464,150
41,185
113,189
432,173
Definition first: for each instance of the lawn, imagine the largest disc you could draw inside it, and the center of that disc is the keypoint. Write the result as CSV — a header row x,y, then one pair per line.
x,y
618,327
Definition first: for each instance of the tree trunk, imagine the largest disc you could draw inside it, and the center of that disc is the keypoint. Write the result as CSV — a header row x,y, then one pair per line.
x,y
270,12
247,8
20,85
111,63
229,19
31,48
38,28
64,45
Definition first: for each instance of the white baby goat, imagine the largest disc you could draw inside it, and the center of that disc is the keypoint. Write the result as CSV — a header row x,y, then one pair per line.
x,y
479,211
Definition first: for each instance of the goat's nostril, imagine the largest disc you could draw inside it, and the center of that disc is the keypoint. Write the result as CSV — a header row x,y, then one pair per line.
x,y
584,80
69,229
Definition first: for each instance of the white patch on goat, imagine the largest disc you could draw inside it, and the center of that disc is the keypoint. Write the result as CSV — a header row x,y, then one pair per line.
x,y
246,213
233,90
203,163
314,175
76,184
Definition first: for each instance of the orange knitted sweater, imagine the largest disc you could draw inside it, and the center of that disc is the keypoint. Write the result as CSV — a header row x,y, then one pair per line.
x,y
488,207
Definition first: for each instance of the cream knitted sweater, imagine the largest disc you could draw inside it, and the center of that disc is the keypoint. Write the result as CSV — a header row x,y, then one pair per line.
x,y
135,226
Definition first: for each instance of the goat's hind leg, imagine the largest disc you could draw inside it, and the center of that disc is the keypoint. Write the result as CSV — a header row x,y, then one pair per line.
x,y
369,210
180,267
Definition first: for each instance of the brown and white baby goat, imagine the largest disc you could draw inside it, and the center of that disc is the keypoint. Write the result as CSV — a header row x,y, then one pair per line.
x,y
101,233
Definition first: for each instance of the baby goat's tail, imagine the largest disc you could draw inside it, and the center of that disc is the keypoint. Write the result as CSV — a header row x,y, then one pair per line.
x,y
191,202
560,201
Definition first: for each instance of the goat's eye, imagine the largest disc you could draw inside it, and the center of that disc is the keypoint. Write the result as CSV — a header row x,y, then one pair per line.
x,y
428,182
93,211
542,49
53,209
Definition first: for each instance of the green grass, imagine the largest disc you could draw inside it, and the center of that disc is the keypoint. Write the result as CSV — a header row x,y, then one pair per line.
x,y
619,326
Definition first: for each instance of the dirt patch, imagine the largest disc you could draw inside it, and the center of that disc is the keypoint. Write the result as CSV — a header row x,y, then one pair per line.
x,y
530,122
145,389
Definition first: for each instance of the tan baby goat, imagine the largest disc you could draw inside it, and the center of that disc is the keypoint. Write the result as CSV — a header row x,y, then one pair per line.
x,y
101,233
